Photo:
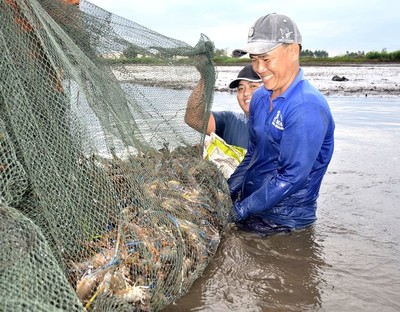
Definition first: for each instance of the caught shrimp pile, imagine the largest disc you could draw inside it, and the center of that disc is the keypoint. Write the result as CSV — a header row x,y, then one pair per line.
x,y
153,255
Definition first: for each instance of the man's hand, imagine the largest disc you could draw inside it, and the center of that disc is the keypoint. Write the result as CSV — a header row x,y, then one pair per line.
x,y
202,64
234,195
237,213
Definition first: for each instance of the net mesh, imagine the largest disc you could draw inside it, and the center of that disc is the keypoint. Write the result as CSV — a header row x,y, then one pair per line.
x,y
106,203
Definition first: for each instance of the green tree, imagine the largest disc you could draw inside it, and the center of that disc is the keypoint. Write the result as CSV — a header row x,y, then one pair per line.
x,y
221,52
307,53
316,53
320,53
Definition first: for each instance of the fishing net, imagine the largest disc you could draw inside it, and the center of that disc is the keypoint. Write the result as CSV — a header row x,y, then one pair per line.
x,y
105,201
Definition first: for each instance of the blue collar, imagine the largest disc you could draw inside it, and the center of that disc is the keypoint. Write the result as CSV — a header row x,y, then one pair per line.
x,y
299,77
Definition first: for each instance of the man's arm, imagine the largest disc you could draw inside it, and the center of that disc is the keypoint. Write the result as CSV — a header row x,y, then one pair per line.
x,y
197,115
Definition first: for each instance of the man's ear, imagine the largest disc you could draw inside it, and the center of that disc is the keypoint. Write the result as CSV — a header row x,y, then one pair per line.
x,y
294,51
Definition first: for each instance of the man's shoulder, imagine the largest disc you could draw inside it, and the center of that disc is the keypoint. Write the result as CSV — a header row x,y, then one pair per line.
x,y
230,115
305,91
230,122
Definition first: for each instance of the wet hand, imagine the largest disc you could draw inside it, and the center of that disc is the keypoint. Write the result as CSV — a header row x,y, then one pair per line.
x,y
234,195
237,213
202,63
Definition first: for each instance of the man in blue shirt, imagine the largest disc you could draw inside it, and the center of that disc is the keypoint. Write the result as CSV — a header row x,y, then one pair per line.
x,y
276,186
231,126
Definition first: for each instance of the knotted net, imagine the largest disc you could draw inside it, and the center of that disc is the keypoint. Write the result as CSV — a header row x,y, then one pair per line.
x,y
105,201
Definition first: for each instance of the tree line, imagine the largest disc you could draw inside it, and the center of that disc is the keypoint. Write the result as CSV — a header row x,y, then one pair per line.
x,y
308,56
132,54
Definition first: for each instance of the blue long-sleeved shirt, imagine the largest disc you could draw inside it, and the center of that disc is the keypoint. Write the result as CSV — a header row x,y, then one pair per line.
x,y
289,152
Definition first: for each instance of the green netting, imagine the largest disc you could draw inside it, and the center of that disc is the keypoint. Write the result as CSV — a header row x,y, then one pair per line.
x,y
106,203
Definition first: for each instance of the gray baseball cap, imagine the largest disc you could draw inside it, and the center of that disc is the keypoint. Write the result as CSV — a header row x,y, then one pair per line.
x,y
269,32
247,73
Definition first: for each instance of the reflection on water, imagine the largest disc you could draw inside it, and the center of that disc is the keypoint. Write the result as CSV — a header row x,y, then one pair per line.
x,y
349,260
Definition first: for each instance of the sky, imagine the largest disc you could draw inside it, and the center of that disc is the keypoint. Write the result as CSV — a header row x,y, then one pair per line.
x,y
334,26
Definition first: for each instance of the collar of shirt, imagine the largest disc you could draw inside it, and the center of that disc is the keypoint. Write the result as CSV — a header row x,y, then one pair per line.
x,y
299,77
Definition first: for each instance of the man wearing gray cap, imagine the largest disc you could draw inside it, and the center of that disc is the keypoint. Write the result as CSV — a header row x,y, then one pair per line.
x,y
276,186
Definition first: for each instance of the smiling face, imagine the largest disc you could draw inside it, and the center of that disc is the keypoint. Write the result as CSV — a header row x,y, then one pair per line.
x,y
245,90
277,68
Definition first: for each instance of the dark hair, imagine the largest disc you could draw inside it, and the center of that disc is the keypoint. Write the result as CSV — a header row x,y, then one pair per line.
x,y
288,44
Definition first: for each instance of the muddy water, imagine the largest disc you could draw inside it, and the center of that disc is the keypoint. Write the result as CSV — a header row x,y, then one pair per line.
x,y
350,259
